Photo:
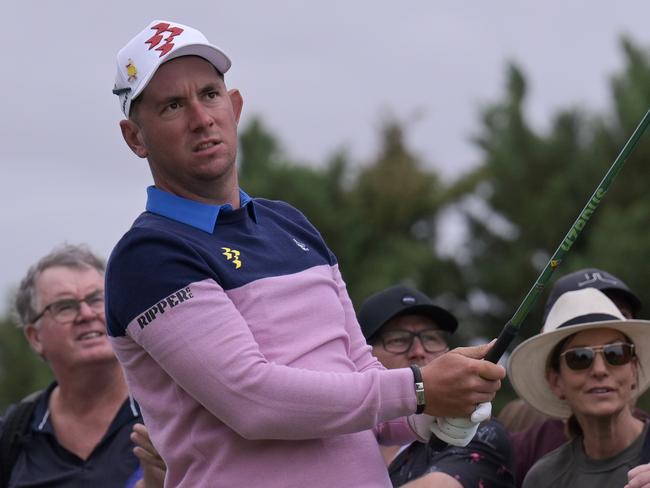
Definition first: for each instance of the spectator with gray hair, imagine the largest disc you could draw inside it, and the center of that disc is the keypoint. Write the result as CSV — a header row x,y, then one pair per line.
x,y
76,432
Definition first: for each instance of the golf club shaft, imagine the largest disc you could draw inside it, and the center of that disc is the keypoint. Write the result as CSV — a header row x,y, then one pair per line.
x,y
512,327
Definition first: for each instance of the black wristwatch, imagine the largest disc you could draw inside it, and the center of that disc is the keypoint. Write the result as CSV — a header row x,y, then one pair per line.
x,y
419,389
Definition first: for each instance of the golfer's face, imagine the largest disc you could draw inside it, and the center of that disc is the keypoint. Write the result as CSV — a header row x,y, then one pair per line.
x,y
409,339
186,126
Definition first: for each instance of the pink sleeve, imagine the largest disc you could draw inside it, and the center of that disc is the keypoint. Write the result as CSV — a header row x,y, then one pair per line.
x,y
214,357
360,351
393,432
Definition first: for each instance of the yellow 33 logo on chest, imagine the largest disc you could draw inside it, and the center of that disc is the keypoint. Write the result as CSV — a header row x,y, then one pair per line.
x,y
232,255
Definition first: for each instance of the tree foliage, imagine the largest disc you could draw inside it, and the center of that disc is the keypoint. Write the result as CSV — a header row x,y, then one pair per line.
x,y
21,371
539,182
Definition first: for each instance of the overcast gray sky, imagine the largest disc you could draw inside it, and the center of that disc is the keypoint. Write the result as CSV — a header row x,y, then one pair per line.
x,y
320,74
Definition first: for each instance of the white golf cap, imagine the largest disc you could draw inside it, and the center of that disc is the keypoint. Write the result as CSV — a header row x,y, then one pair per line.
x,y
159,42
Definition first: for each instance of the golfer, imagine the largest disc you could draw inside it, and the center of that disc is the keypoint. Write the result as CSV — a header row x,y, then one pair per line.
x,y
229,313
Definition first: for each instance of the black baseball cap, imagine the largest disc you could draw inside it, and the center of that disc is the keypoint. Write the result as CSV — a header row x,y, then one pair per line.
x,y
398,300
593,278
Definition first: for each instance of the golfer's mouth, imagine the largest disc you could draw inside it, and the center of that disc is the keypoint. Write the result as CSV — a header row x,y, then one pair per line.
x,y
206,145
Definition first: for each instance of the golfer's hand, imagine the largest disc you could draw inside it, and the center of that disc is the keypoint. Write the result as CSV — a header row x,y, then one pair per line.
x,y
460,431
456,382
153,466
639,477
421,425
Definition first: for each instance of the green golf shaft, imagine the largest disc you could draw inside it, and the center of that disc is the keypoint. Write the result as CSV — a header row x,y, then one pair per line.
x,y
512,327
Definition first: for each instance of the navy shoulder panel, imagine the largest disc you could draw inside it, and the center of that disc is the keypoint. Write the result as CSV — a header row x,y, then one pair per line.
x,y
160,256
145,266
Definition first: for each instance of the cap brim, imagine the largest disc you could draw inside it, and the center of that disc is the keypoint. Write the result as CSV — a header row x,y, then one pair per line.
x,y
527,363
440,316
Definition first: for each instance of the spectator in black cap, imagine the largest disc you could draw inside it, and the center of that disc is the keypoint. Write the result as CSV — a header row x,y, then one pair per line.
x,y
405,327
612,286
544,436
393,318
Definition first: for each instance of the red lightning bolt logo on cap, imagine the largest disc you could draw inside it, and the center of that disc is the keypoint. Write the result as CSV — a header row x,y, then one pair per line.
x,y
160,29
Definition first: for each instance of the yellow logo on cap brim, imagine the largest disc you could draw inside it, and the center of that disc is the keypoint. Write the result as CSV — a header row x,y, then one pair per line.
x,y
132,71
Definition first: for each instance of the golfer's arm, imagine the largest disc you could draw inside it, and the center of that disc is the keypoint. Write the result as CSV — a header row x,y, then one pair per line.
x,y
214,357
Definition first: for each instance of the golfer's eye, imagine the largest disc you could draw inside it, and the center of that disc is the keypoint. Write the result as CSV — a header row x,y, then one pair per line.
x,y
170,107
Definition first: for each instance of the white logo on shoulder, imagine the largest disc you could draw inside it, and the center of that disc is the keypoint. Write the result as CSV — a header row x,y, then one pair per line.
x,y
301,245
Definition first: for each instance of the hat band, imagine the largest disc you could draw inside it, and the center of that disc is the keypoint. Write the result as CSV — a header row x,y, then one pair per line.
x,y
590,317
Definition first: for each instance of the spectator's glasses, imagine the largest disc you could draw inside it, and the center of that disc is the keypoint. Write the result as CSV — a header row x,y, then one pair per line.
x,y
64,311
616,354
400,341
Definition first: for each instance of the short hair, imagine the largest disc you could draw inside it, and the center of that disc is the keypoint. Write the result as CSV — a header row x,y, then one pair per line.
x,y
66,255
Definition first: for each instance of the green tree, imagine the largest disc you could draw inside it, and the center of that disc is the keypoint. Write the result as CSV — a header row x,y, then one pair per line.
x,y
21,371
396,199
537,182
621,239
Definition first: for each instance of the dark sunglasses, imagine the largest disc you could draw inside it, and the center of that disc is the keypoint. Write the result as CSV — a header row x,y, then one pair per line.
x,y
616,354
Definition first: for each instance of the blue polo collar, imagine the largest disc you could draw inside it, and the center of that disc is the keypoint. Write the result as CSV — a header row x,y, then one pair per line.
x,y
190,212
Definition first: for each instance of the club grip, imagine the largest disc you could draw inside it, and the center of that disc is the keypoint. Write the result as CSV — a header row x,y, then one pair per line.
x,y
505,338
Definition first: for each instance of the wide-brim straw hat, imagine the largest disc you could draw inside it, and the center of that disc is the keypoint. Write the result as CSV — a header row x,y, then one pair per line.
x,y
573,312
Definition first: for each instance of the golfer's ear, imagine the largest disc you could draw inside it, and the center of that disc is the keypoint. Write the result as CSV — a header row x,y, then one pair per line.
x,y
132,135
237,102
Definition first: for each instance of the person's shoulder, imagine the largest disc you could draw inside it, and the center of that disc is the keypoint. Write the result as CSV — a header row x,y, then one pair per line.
x,y
144,244
550,466
538,473
22,411
493,434
276,206
286,216
150,227
147,266
562,454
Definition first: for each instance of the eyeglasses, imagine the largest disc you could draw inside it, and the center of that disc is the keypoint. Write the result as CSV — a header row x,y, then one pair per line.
x,y
616,354
400,341
64,311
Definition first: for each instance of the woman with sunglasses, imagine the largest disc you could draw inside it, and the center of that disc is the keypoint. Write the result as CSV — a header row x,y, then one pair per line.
x,y
587,365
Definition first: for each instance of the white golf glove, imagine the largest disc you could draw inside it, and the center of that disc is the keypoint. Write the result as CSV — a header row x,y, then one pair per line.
x,y
460,431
